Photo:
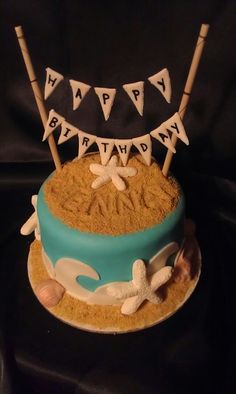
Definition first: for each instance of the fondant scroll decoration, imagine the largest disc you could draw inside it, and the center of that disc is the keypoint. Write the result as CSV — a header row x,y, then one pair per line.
x,y
68,270
136,92
111,173
161,81
54,121
53,79
32,225
106,97
79,91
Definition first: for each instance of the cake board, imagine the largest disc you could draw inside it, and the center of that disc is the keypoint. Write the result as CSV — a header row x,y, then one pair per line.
x,y
108,319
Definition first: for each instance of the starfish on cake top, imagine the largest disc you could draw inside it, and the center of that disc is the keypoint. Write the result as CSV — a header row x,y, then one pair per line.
x,y
142,287
111,173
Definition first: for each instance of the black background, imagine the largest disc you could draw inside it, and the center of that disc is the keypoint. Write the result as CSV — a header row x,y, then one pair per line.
x,y
109,44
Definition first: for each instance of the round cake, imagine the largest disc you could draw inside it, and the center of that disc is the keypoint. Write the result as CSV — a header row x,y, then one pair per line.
x,y
92,238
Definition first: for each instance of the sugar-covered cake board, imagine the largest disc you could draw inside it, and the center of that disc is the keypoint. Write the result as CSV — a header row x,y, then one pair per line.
x,y
108,319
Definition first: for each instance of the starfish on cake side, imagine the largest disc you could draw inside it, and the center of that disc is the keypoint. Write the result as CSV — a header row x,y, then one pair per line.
x,y
111,173
142,287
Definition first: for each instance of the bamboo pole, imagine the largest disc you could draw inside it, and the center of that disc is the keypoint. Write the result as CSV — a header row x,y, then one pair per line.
x,y
37,93
187,89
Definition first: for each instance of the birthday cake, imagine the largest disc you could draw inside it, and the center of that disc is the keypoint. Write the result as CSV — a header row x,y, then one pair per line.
x,y
113,251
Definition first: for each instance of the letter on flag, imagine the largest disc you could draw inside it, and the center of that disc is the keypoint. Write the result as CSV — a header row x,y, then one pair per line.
x,y
105,146
162,135
67,131
144,146
53,78
54,120
175,125
123,147
85,141
79,90
161,81
136,93
106,97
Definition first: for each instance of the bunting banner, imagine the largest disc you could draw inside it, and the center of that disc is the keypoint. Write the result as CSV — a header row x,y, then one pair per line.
x,y
85,141
161,81
162,135
106,97
67,131
175,125
144,146
53,78
123,147
79,91
54,120
106,145
135,90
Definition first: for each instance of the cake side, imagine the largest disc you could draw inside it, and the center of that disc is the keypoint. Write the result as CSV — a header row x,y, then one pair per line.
x,y
99,267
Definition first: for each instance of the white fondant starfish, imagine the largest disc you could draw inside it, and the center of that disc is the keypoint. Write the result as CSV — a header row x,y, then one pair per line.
x,y
111,173
32,223
144,287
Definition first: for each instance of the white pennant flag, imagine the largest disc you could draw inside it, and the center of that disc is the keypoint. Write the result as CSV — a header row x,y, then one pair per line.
x,y
53,78
85,141
106,97
136,93
175,125
123,147
105,146
144,146
162,135
161,81
54,120
67,131
79,90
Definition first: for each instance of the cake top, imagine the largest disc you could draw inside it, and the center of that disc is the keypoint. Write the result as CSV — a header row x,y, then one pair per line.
x,y
148,198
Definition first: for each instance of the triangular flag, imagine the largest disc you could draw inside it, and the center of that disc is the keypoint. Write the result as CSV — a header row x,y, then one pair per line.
x,y
85,141
162,135
54,120
79,90
53,78
67,131
105,146
106,97
175,125
123,147
161,81
136,93
144,146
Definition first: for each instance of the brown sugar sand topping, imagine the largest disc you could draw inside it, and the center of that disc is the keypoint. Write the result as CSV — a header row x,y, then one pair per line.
x,y
148,198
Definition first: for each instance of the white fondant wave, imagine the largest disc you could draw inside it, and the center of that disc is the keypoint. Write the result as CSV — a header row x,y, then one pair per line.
x,y
66,271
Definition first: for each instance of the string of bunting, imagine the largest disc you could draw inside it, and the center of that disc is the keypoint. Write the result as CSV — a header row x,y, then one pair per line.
x,y
106,96
106,145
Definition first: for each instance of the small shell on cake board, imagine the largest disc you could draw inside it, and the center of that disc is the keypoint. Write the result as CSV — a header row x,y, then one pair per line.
x,y
49,292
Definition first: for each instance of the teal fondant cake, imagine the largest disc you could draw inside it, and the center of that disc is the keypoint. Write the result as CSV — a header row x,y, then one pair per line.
x,y
99,243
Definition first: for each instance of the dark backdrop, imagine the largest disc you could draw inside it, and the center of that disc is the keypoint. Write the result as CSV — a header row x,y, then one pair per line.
x,y
108,44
